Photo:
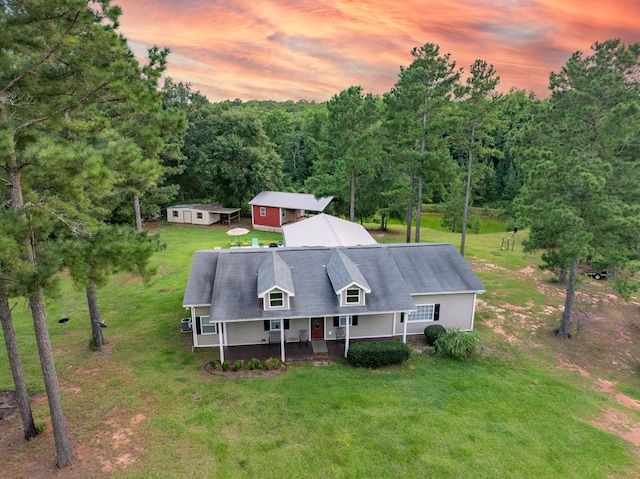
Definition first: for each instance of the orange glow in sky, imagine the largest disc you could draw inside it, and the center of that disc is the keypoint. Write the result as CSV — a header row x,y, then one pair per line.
x,y
312,49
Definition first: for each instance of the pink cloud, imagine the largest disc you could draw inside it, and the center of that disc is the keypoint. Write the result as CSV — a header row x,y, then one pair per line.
x,y
307,49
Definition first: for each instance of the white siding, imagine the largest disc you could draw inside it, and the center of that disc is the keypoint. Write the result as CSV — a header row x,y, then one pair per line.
x,y
208,218
177,219
456,311
371,326
252,332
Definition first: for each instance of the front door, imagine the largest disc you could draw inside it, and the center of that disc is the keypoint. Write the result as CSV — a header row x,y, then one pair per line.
x,y
317,328
187,217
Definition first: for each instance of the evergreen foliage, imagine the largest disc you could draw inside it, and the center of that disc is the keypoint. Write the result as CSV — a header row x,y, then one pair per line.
x,y
581,197
368,354
433,332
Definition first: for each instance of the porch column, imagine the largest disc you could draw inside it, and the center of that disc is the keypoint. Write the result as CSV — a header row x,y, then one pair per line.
x,y
404,327
473,310
282,340
346,338
393,325
194,329
221,342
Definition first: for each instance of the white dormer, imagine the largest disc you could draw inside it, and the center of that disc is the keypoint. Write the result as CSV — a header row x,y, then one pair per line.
x,y
276,299
353,295
347,280
275,284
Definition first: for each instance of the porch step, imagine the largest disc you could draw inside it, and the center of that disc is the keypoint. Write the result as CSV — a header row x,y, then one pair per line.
x,y
319,347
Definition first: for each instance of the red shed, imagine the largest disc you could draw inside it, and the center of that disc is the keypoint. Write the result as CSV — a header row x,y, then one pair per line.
x,y
272,209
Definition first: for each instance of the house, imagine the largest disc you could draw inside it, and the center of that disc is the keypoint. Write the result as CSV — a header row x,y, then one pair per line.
x,y
272,209
325,230
260,295
201,214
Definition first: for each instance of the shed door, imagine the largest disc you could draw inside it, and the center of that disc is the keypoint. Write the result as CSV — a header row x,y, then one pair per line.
x,y
317,328
187,216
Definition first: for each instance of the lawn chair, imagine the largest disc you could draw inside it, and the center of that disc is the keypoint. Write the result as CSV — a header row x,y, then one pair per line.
x,y
303,337
340,333
274,337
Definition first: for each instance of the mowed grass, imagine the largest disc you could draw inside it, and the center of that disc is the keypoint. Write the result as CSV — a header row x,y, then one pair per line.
x,y
493,416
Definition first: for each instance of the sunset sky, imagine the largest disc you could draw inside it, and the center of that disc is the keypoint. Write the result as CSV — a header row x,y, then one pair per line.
x,y
311,49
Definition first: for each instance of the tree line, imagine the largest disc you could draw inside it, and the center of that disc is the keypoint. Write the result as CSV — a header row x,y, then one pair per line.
x,y
92,142
380,156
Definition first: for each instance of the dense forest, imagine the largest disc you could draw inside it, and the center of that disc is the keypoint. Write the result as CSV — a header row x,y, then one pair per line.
x,y
374,154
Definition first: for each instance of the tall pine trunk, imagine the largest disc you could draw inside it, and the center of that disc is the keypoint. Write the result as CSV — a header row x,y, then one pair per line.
x,y
60,433
136,208
58,422
94,313
467,194
419,204
409,208
563,332
352,198
22,394
421,177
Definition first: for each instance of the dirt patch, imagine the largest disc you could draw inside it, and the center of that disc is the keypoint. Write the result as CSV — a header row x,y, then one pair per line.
x,y
114,444
619,423
605,342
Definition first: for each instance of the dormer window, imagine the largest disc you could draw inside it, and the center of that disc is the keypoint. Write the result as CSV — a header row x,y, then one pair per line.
x,y
276,300
353,296
275,283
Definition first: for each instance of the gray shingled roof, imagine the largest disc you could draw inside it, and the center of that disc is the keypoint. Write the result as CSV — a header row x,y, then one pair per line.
x,y
200,283
393,273
435,268
274,272
343,272
291,201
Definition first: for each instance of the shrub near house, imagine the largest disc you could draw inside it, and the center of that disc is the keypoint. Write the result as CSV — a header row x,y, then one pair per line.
x,y
376,354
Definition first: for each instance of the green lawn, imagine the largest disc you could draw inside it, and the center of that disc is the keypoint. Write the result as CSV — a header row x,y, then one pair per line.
x,y
494,416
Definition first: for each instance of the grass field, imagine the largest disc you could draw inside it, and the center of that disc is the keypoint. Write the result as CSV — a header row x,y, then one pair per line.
x,y
145,407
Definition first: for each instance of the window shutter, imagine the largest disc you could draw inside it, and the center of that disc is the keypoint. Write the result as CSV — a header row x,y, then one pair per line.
x,y
402,317
436,312
198,329
286,324
336,321
267,325
354,320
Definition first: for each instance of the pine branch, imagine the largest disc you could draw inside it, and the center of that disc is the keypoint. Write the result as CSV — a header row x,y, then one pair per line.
x,y
42,60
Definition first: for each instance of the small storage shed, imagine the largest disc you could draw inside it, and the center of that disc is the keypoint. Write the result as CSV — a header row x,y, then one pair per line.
x,y
201,214
272,209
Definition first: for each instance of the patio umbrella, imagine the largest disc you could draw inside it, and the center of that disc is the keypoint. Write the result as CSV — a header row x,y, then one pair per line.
x,y
238,232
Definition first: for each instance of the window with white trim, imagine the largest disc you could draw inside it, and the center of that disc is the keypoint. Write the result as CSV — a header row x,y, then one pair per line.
x,y
175,214
208,326
263,211
352,296
276,300
275,325
199,216
342,320
425,312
